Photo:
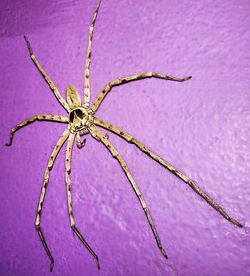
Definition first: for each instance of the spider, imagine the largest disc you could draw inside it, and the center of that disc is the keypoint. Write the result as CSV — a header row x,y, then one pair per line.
x,y
81,120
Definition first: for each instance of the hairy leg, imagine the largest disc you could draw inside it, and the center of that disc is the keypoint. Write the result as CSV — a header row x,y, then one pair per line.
x,y
124,80
168,166
68,186
42,117
88,58
96,133
51,161
46,77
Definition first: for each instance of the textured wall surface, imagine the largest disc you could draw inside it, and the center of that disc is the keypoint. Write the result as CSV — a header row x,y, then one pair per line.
x,y
200,126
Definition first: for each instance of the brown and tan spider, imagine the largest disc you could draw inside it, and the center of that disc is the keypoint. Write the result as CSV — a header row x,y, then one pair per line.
x,y
81,120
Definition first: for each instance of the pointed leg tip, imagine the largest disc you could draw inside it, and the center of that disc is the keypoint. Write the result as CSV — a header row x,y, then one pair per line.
x,y
28,45
187,78
51,266
235,222
239,225
10,141
164,253
98,264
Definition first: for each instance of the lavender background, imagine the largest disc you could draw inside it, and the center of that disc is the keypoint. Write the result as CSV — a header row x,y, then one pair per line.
x,y
200,126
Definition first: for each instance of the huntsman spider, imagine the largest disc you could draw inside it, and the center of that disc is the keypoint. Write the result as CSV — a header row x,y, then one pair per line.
x,y
81,120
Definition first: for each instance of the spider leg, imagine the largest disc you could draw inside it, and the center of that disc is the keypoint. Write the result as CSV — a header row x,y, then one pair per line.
x,y
46,77
42,117
97,133
168,166
68,186
124,80
88,58
52,158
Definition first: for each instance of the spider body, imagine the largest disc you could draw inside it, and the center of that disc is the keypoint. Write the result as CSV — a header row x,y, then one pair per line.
x,y
80,120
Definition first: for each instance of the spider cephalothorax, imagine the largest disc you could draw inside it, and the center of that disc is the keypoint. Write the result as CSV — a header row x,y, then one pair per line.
x,y
80,117
81,120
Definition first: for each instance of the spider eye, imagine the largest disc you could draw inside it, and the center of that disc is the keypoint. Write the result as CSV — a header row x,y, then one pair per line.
x,y
76,113
79,113
71,117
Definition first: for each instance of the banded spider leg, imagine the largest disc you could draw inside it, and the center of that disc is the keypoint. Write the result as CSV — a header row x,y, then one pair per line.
x,y
51,84
68,188
165,164
41,117
51,161
110,85
88,57
97,134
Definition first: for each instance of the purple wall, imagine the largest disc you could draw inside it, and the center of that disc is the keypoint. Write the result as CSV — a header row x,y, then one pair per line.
x,y
201,126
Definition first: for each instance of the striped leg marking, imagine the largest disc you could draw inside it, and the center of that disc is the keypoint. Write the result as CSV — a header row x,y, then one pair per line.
x,y
46,77
168,166
88,58
97,134
124,80
42,117
52,158
68,188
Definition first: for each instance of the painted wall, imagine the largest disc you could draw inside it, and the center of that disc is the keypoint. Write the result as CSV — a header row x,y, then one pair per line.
x,y
200,126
